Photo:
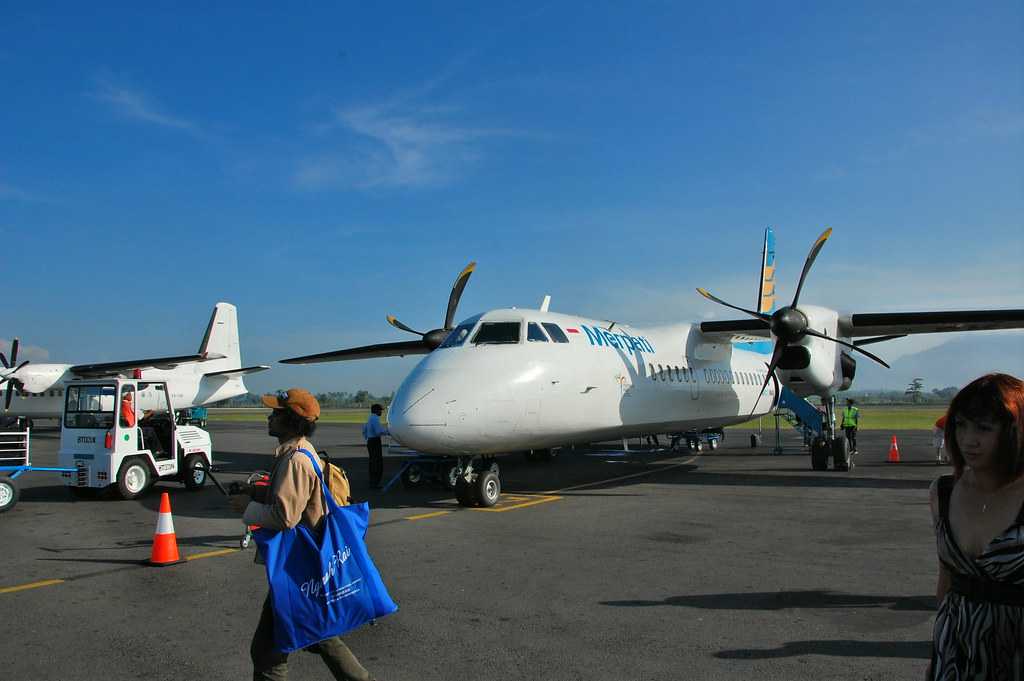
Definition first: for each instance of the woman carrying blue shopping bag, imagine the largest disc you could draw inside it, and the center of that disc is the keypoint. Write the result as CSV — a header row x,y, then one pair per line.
x,y
322,582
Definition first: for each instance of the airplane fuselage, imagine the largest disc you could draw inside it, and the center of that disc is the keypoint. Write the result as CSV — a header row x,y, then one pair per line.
x,y
601,382
42,395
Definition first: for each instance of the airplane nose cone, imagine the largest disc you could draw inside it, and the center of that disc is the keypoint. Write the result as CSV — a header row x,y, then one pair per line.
x,y
418,415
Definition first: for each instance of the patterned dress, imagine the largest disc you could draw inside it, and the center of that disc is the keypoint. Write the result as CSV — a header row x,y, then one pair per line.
x,y
979,638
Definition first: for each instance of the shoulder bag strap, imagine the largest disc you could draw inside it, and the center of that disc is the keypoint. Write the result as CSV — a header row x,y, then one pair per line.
x,y
329,503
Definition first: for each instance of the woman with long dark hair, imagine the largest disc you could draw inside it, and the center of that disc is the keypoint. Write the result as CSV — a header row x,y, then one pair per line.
x,y
978,513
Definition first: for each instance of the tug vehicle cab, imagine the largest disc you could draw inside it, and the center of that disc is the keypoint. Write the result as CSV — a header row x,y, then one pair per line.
x,y
123,432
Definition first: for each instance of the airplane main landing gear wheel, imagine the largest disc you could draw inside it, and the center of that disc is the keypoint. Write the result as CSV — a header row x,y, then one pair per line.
x,y
819,454
841,456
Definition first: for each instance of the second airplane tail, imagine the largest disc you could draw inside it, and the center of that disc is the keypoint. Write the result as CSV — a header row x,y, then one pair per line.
x,y
221,338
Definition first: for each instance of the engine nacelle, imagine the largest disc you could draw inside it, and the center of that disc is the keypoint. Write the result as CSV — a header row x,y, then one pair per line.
x,y
38,378
814,366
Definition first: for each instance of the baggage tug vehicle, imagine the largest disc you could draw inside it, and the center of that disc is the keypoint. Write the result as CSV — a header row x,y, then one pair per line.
x,y
122,432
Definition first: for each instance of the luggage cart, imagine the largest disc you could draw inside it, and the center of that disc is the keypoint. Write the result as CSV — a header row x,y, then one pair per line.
x,y
15,459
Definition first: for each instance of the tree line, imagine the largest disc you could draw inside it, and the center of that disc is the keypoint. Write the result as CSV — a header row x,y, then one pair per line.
x,y
361,399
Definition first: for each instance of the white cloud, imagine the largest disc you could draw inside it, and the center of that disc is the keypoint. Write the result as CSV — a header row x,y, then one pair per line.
x,y
385,148
25,352
139,106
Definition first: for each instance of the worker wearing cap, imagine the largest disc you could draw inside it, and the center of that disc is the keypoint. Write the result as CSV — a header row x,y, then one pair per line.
x,y
293,496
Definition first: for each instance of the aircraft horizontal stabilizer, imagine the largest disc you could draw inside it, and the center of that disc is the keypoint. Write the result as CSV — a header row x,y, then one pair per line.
x,y
401,349
235,373
112,368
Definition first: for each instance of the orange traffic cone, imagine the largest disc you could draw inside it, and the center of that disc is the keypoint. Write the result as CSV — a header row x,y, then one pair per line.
x,y
894,451
165,543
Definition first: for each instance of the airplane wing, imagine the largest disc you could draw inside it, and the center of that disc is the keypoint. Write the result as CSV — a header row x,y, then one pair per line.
x,y
888,323
111,368
879,324
736,330
401,349
236,373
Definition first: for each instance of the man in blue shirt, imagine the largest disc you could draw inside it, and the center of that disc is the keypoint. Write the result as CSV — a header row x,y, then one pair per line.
x,y
372,430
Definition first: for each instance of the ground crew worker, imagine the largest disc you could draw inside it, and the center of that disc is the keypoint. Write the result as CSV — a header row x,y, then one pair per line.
x,y
294,495
372,430
127,409
851,419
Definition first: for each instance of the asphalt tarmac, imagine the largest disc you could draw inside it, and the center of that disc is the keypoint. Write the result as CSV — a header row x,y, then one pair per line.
x,y
648,565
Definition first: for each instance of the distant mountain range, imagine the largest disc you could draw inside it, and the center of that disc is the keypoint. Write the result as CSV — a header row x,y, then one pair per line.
x,y
955,363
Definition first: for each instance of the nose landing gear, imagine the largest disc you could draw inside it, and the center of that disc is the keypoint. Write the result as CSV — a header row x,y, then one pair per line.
x,y
478,482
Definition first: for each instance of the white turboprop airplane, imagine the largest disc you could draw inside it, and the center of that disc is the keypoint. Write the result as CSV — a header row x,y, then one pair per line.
x,y
520,379
214,373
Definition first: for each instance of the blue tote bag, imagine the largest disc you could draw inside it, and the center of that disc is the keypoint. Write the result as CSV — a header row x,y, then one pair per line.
x,y
322,586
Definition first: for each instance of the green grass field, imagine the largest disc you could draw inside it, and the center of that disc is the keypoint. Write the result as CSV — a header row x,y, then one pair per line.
x,y
900,417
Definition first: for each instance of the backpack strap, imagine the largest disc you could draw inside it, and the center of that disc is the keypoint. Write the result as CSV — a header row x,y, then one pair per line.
x,y
329,502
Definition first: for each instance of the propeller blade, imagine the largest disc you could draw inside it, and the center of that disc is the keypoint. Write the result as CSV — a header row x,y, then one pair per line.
x,y
756,315
772,365
10,394
457,288
3,358
815,249
879,339
19,367
812,332
399,325
14,352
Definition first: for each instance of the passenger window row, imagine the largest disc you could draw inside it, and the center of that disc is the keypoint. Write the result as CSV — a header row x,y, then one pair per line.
x,y
711,376
672,373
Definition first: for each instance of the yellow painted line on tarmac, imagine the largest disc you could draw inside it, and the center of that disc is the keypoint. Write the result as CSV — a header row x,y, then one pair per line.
x,y
211,554
31,585
424,516
623,477
523,500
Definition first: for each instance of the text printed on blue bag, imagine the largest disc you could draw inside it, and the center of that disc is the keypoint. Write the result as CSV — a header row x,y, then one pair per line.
x,y
311,589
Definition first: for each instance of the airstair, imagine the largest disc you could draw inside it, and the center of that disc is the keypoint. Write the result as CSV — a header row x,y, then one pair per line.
x,y
800,414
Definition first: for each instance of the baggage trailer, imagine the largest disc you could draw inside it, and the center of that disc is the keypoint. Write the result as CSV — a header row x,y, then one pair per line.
x,y
15,460
122,432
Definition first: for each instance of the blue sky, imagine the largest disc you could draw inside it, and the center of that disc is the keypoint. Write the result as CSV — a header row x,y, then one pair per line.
x,y
322,166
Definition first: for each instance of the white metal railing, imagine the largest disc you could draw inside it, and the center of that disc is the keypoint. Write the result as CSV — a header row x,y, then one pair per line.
x,y
14,447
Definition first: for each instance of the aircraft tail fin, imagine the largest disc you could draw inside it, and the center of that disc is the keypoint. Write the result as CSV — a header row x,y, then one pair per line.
x,y
221,338
766,288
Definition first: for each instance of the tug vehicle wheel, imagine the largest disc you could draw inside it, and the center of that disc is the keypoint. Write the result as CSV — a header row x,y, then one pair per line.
x,y
133,478
194,472
8,493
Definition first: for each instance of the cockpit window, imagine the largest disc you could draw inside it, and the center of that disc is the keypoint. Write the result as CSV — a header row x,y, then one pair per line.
x,y
460,333
534,333
458,336
497,332
556,332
